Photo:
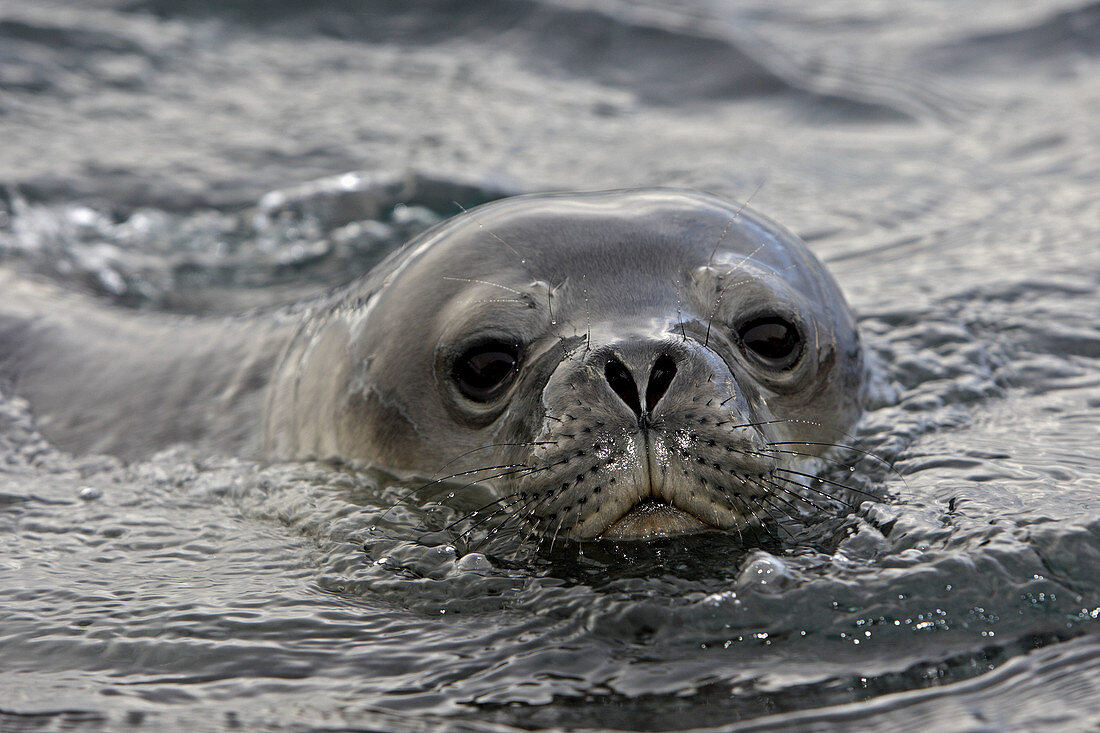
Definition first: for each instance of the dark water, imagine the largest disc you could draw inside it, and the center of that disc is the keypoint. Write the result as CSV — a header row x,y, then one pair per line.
x,y
943,158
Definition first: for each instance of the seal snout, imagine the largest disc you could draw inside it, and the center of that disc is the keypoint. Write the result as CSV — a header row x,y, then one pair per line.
x,y
648,439
655,515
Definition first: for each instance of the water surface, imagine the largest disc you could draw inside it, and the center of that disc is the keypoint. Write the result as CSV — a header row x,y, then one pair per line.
x,y
215,157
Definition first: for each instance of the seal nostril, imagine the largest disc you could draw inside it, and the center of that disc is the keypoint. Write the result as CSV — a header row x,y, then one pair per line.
x,y
664,369
618,376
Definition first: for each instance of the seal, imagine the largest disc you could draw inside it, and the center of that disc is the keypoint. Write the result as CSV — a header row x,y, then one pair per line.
x,y
620,365
616,365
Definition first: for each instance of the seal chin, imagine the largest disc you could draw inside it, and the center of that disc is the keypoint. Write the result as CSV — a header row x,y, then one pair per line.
x,y
652,519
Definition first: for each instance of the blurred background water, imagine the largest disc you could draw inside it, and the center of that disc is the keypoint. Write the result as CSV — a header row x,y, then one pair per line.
x,y
213,157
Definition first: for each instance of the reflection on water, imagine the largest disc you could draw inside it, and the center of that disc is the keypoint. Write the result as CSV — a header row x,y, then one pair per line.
x,y
953,196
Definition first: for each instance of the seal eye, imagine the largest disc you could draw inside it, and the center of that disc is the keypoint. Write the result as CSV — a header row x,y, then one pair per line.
x,y
773,340
485,368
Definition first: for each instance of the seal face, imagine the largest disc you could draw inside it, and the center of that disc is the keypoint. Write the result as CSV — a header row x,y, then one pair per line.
x,y
618,365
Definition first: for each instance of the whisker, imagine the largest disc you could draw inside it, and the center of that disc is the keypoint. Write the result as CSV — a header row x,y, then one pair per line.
x,y
472,471
746,505
479,510
507,510
522,444
766,527
520,504
464,536
499,300
852,448
826,459
826,494
679,312
736,214
826,426
800,497
519,520
788,492
830,482
587,315
519,468
557,529
408,495
534,524
835,462
484,282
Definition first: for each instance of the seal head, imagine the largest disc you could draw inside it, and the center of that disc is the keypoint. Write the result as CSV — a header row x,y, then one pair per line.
x,y
617,365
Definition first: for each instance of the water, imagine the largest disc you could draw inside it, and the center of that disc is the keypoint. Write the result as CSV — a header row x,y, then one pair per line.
x,y
941,158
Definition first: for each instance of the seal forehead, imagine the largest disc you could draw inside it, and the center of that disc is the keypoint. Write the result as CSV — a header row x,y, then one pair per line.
x,y
664,229
641,247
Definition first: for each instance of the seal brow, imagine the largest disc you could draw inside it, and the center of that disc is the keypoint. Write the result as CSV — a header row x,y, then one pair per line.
x,y
513,250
